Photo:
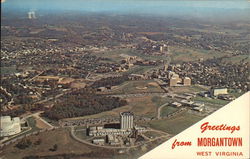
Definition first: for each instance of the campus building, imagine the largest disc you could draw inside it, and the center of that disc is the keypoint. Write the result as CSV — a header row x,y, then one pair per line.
x,y
9,126
126,120
218,91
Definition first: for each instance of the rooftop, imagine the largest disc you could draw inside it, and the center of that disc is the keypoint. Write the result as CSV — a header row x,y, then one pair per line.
x,y
126,113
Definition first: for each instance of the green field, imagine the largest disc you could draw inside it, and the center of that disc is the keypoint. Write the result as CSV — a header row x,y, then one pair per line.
x,y
152,134
168,110
189,89
236,59
176,124
181,54
115,54
235,93
61,137
80,132
8,70
139,69
32,123
137,87
158,101
210,100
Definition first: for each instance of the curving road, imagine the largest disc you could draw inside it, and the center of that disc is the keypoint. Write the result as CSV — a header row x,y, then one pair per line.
x,y
159,110
122,147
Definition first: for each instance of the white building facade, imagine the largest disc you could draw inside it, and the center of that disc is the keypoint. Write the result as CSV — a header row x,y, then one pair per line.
x,y
127,120
9,126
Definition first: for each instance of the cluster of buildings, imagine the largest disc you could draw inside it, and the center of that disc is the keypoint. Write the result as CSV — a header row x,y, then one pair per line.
x,y
112,136
194,105
172,79
9,126
153,47
220,93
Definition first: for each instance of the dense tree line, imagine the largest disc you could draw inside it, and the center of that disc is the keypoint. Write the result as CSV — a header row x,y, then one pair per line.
x,y
82,102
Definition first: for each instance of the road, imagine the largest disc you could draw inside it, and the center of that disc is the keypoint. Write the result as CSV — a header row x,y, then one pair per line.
x,y
159,110
37,115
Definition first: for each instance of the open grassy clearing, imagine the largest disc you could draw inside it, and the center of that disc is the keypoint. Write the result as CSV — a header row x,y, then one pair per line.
x,y
139,69
152,134
176,124
61,137
114,55
140,86
168,110
33,124
158,100
235,93
181,54
236,59
189,89
8,70
41,124
81,133
210,100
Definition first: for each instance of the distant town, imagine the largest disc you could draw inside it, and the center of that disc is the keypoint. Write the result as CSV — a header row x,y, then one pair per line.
x,y
112,86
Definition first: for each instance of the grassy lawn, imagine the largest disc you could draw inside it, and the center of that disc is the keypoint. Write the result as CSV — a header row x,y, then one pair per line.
x,y
158,100
235,93
81,134
32,123
175,125
139,69
8,70
211,101
190,89
143,106
138,87
61,137
115,54
152,134
168,110
236,59
181,54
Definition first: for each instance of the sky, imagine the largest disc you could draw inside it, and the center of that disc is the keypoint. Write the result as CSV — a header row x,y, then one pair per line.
x,y
198,8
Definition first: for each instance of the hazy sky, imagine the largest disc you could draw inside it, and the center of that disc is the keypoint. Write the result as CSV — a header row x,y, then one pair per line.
x,y
162,7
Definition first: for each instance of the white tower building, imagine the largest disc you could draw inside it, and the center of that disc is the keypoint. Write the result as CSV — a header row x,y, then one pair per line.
x,y
127,120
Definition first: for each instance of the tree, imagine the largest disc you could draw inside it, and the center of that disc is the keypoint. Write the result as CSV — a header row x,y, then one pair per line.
x,y
54,148
23,144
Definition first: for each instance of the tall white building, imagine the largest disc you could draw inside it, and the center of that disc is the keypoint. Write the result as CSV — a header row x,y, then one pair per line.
x,y
127,120
9,126
31,15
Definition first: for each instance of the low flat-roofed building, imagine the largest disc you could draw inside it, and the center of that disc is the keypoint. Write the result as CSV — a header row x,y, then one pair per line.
x,y
98,141
176,104
112,140
136,77
218,91
226,97
198,109
9,126
186,102
198,104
